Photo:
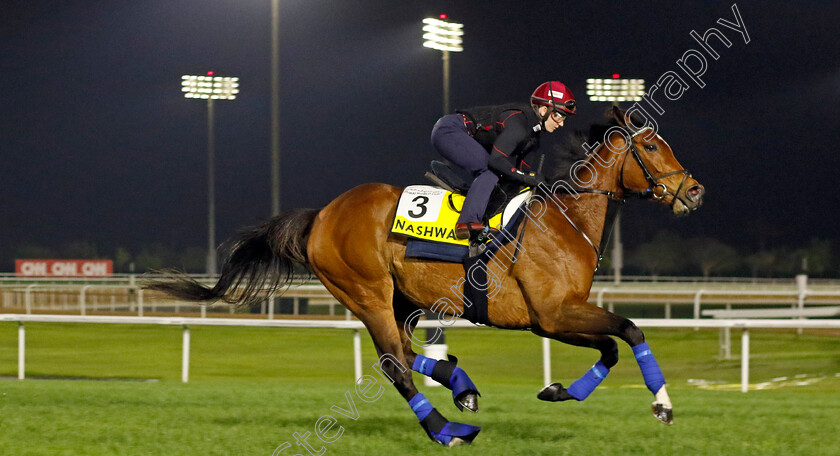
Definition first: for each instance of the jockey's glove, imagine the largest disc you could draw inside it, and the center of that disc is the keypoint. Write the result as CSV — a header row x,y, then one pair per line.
x,y
530,179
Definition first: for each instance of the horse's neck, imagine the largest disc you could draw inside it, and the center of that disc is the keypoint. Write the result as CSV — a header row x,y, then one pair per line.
x,y
588,213
603,169
589,210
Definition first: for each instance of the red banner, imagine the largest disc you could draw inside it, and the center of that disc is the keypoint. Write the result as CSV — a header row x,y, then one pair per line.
x,y
64,268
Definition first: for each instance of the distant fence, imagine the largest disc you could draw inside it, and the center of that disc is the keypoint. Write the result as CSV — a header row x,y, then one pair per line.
x,y
111,296
41,297
603,279
357,326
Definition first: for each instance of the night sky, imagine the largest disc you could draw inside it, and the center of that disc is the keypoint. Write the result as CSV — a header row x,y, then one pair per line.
x,y
97,142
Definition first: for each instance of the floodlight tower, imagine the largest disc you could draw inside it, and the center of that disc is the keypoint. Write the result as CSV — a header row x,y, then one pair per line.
x,y
210,88
444,36
615,90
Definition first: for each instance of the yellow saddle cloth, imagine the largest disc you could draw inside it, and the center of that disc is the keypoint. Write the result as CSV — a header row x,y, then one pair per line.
x,y
430,213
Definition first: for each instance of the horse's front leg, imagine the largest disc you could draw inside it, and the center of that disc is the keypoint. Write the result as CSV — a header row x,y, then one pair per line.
x,y
395,366
582,318
446,372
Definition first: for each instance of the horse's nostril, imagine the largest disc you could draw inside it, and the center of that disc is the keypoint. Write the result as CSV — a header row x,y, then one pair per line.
x,y
695,193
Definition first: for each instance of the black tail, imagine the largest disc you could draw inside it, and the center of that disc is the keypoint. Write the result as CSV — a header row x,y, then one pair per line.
x,y
262,259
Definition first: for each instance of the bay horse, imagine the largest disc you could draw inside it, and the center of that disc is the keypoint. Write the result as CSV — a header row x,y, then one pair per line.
x,y
545,288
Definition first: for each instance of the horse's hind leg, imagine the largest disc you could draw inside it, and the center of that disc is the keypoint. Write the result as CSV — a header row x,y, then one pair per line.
x,y
446,372
585,318
582,387
654,380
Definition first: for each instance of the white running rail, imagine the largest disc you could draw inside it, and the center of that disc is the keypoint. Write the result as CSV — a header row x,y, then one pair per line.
x,y
357,326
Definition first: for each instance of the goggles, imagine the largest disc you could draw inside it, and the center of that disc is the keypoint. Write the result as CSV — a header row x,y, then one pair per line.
x,y
557,116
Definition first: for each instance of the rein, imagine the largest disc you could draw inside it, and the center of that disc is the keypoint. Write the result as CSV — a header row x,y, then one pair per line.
x,y
613,208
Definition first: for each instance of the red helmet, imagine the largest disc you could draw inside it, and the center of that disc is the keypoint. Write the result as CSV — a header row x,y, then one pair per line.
x,y
556,96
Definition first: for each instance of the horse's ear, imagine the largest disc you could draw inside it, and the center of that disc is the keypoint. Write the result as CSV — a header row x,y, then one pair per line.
x,y
615,113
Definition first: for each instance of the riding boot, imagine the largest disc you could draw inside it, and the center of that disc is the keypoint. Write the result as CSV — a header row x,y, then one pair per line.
x,y
474,231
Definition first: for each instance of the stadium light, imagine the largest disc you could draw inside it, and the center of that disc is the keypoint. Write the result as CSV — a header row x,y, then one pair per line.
x,y
615,89
210,87
443,35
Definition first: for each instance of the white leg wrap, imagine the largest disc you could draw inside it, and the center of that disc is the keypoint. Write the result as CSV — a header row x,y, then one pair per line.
x,y
662,397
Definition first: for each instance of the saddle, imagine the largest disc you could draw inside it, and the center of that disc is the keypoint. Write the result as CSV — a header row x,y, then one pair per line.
x,y
458,181
426,215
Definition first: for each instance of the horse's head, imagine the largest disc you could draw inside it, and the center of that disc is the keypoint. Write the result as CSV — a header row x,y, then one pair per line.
x,y
650,169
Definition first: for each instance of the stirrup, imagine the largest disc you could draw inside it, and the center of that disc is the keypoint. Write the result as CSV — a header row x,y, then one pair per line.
x,y
474,231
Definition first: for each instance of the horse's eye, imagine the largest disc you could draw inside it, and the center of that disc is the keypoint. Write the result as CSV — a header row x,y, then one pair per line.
x,y
650,147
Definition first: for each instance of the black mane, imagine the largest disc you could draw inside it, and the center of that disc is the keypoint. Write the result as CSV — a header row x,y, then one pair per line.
x,y
560,160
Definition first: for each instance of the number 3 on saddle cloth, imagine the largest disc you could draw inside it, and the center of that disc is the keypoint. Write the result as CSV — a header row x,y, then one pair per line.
x,y
426,216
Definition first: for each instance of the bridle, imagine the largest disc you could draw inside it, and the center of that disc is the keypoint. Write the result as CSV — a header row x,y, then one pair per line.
x,y
617,199
652,180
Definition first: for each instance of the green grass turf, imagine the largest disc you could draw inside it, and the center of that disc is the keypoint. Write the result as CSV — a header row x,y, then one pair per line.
x,y
251,389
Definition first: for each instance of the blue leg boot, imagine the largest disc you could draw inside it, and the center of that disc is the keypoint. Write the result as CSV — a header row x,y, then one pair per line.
x,y
655,381
447,373
438,428
580,389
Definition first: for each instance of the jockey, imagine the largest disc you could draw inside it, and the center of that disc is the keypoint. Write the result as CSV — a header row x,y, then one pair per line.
x,y
490,142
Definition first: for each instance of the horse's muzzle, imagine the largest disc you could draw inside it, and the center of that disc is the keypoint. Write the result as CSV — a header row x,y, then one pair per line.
x,y
694,196
688,199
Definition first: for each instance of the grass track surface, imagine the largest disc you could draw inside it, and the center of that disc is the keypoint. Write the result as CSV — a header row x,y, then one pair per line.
x,y
251,389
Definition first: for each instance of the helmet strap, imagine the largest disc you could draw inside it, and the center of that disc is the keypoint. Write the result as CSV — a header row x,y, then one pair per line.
x,y
543,117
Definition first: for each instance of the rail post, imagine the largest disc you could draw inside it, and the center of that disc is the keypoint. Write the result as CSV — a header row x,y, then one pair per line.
x,y
697,305
357,354
185,355
21,351
745,360
600,300
27,297
802,287
727,338
82,296
546,349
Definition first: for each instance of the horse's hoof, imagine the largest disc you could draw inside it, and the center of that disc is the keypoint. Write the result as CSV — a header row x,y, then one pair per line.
x,y
467,401
448,433
464,392
663,413
554,393
456,441
454,434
